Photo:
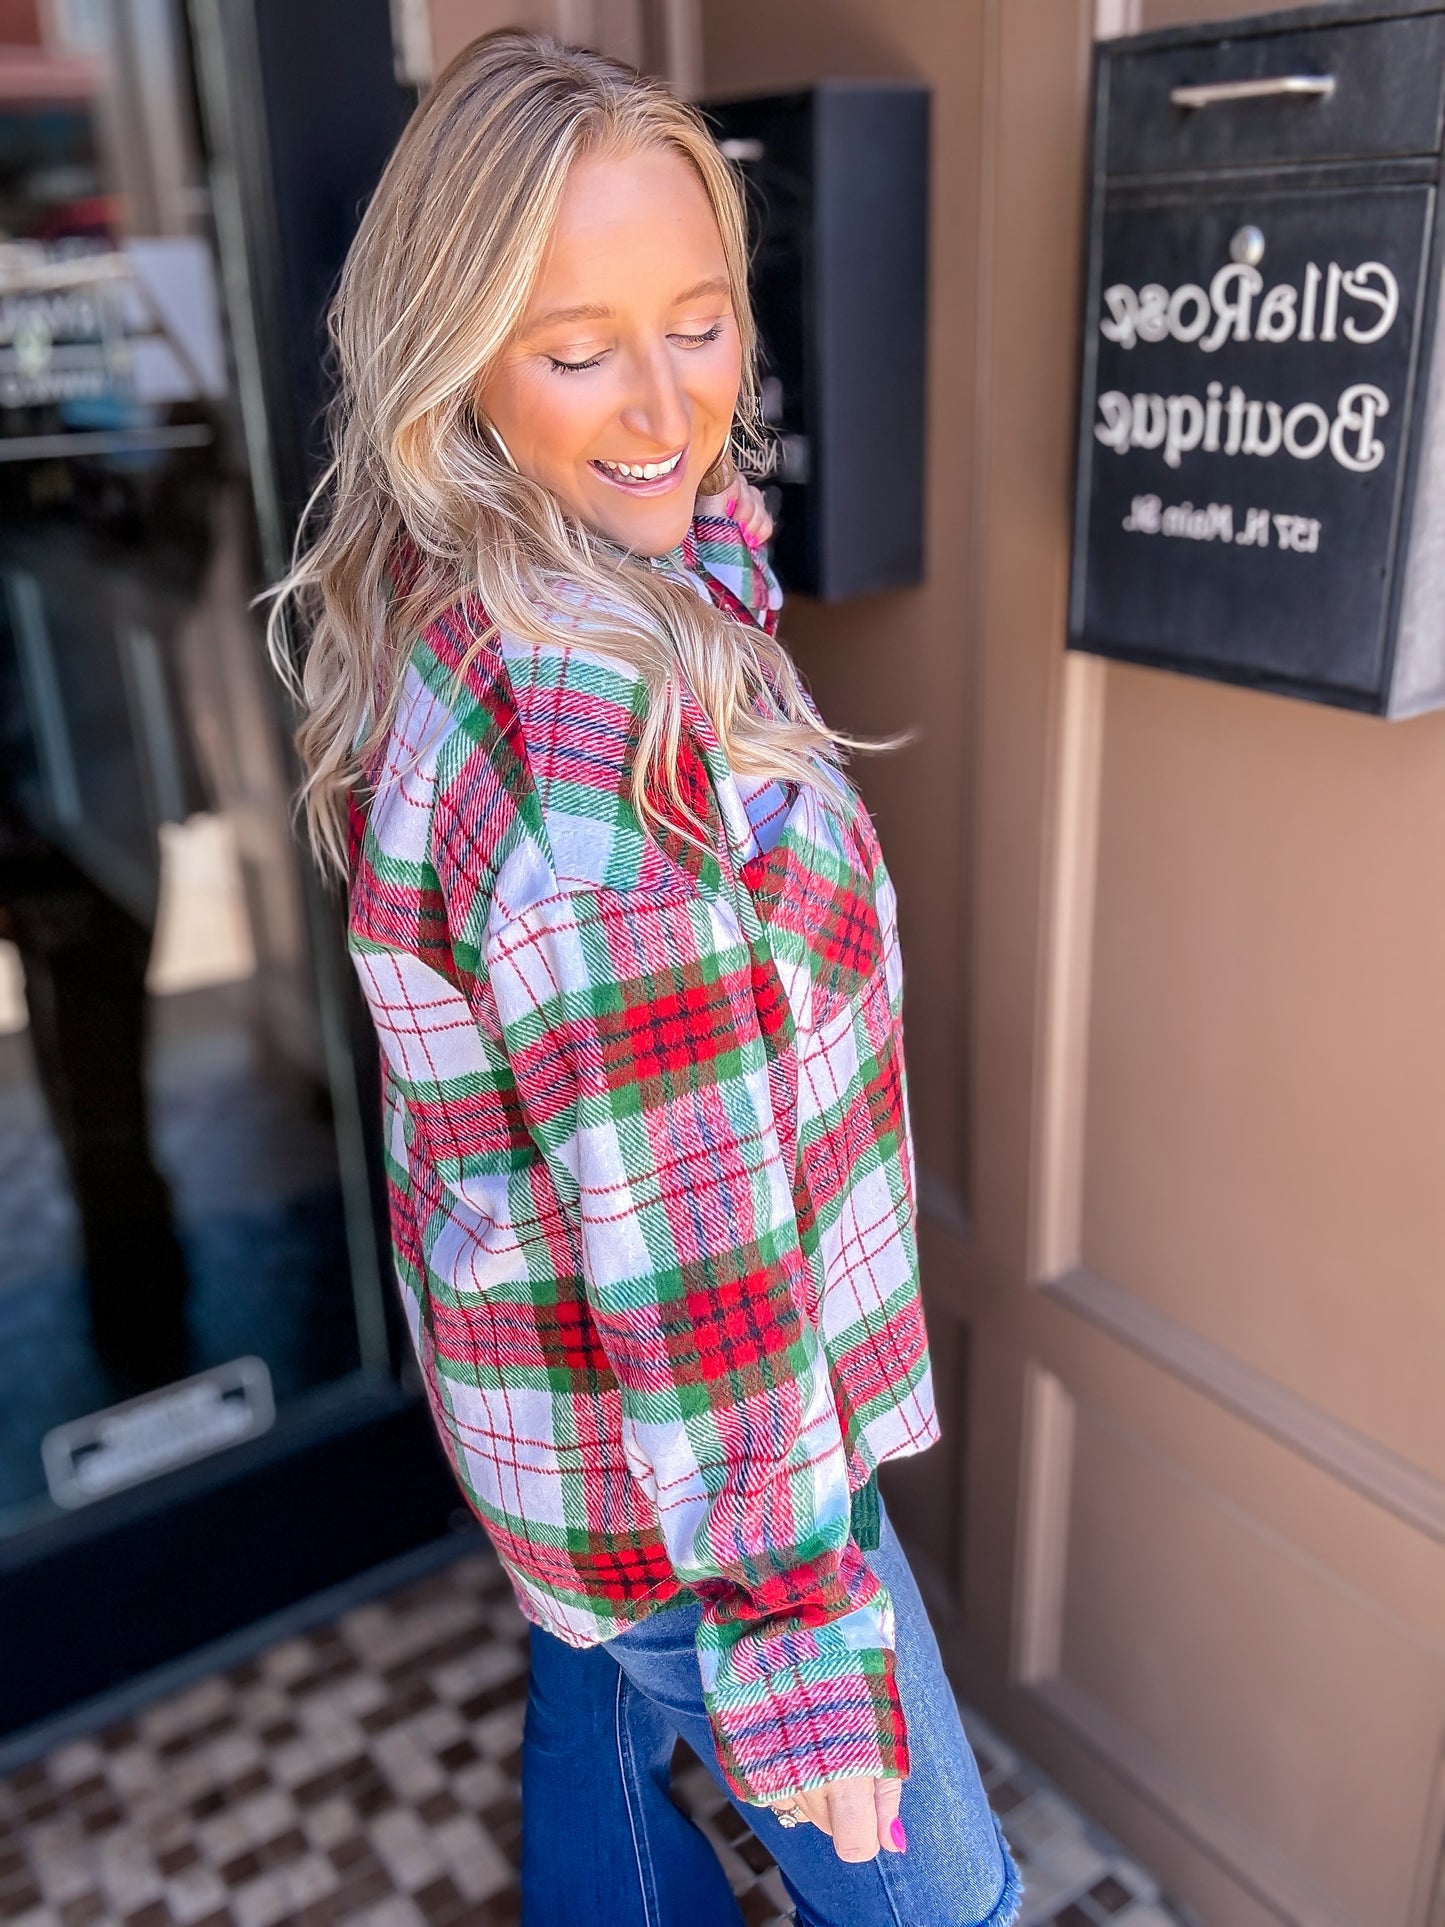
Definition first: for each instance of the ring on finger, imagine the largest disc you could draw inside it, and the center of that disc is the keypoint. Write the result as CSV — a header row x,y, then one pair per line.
x,y
786,1811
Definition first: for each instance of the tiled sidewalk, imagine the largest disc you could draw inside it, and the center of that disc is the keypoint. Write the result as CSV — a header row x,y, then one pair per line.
x,y
367,1773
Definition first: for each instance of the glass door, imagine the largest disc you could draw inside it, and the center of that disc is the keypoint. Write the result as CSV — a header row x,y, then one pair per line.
x,y
190,1283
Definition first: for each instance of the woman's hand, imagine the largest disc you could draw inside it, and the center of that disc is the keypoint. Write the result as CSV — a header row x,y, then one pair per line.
x,y
860,1815
741,503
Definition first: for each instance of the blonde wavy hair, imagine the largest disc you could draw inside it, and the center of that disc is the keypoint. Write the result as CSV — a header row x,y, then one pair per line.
x,y
435,284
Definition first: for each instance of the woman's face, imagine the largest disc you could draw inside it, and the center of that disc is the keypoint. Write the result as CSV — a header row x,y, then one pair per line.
x,y
627,359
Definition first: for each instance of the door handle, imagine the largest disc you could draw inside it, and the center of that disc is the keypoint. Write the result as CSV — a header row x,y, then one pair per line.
x,y
1308,86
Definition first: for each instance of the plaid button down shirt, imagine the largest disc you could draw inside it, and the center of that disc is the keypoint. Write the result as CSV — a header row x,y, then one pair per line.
x,y
651,1178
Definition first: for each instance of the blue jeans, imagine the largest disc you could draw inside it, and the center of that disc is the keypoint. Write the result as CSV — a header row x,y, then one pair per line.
x,y
602,1840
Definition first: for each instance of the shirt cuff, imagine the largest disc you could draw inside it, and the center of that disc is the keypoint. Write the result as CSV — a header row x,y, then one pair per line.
x,y
836,1717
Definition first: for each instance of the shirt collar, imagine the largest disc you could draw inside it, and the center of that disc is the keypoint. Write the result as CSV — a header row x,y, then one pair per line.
x,y
680,560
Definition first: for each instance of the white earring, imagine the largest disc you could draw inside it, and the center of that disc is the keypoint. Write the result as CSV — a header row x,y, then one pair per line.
x,y
502,449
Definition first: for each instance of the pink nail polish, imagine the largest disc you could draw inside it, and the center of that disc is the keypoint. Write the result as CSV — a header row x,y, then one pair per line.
x,y
732,505
900,1838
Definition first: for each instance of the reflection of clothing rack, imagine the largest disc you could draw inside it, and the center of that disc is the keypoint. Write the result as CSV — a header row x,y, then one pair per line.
x,y
27,268
153,304
119,441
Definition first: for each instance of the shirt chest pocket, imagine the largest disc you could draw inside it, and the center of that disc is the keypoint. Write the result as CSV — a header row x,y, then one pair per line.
x,y
814,897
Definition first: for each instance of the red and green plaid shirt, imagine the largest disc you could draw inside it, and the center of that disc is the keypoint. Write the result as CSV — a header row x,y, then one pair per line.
x,y
651,1178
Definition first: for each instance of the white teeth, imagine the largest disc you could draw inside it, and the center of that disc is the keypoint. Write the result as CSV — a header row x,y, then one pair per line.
x,y
642,471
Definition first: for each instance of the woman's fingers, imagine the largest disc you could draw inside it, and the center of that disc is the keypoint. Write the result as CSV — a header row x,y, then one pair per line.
x,y
813,1805
744,504
859,1815
887,1794
853,1813
753,518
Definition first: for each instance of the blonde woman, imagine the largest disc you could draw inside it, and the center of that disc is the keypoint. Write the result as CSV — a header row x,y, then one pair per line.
x,y
631,952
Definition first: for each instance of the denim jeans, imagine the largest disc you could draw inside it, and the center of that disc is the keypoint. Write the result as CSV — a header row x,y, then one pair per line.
x,y
602,1840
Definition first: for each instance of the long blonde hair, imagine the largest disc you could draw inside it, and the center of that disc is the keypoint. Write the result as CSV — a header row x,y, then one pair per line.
x,y
435,284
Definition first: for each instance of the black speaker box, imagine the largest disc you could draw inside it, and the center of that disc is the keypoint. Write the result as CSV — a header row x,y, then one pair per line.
x,y
838,190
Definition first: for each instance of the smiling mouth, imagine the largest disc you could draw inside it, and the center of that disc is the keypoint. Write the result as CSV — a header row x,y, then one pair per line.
x,y
641,478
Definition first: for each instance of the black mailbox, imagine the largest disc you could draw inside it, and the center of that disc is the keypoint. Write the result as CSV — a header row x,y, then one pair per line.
x,y
1261,469
838,185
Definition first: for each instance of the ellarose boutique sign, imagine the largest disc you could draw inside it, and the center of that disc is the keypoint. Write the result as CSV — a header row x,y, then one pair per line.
x,y
1238,424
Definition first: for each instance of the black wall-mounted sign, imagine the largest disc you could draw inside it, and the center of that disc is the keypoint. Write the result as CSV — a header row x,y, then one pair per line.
x,y
1261,474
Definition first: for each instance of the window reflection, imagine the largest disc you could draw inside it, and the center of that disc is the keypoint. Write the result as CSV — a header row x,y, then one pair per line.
x,y
169,1192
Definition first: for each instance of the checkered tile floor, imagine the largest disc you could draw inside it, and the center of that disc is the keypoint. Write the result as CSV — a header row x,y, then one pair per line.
x,y
366,1774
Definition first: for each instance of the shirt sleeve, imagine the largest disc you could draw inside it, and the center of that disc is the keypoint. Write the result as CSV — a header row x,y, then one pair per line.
x,y
632,1027
746,573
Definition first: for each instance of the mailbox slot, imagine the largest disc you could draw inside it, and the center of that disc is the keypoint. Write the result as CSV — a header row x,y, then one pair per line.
x,y
1385,99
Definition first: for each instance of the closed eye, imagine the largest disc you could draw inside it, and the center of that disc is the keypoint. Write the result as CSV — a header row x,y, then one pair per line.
x,y
683,341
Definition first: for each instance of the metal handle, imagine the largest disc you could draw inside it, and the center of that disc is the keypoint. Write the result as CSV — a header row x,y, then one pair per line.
x,y
1313,86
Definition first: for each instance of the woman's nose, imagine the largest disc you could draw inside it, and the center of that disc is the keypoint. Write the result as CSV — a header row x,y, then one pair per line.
x,y
657,408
